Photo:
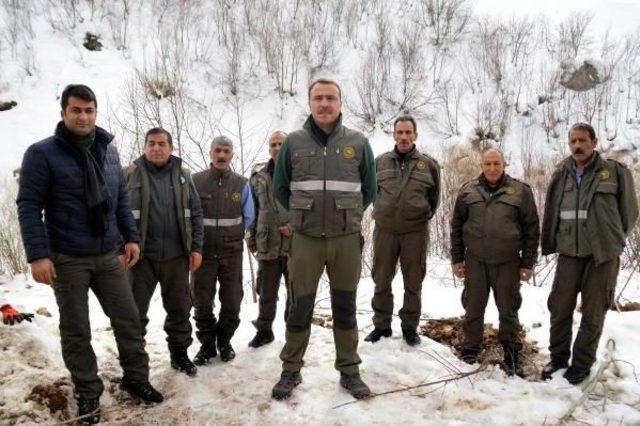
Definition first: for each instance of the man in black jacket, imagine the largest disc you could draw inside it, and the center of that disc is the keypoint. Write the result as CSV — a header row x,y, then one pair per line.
x,y
75,177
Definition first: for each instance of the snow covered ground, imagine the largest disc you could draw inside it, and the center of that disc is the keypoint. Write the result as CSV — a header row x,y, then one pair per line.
x,y
239,392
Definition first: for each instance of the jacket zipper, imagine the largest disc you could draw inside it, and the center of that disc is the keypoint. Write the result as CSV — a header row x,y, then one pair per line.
x,y
324,190
577,224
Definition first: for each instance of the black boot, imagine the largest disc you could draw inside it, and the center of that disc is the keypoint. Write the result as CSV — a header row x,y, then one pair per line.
x,y
142,390
89,411
576,375
226,350
206,352
354,384
512,362
411,336
376,334
288,381
554,365
180,360
469,355
261,338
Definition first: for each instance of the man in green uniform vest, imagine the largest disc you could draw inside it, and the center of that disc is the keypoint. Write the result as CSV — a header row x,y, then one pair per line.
x,y
325,176
590,209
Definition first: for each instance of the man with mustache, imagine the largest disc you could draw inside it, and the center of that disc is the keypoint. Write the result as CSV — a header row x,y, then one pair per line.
x,y
494,245
167,209
408,196
590,209
227,206
269,240
325,176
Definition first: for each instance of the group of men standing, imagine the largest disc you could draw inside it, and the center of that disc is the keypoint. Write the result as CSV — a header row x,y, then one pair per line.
x,y
120,234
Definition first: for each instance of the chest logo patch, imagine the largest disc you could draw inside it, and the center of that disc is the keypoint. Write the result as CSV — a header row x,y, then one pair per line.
x,y
235,197
348,152
604,174
421,165
509,190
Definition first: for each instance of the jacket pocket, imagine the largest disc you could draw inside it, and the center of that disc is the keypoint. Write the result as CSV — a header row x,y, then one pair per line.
x,y
349,213
299,208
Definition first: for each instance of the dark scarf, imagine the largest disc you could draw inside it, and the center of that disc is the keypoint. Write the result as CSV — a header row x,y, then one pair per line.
x,y
320,134
95,187
403,155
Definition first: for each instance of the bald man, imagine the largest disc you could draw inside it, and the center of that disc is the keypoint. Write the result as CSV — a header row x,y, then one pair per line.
x,y
494,244
269,240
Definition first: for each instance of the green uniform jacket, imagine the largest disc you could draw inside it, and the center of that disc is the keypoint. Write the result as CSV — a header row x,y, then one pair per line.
x,y
325,188
408,191
497,228
270,216
612,208
188,209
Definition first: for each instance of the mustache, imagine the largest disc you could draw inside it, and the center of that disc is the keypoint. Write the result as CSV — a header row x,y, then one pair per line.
x,y
578,151
221,160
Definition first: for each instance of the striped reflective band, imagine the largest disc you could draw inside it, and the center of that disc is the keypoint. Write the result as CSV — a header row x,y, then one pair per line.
x,y
187,212
331,185
571,214
222,222
136,214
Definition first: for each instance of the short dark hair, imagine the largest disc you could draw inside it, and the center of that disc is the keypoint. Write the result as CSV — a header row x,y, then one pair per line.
x,y
325,81
585,127
158,131
77,91
406,118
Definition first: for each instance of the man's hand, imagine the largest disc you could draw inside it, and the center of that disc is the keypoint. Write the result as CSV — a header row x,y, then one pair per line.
x,y
459,270
285,231
43,271
131,255
252,247
195,260
525,274
11,315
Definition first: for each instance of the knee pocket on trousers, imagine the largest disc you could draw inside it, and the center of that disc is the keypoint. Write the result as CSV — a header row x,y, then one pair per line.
x,y
300,313
344,309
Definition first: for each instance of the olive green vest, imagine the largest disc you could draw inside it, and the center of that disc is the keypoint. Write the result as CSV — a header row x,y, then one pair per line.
x,y
221,198
571,237
136,178
326,197
270,216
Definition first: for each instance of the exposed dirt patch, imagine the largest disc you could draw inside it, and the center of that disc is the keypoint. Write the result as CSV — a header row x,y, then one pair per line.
x,y
54,396
449,332
322,320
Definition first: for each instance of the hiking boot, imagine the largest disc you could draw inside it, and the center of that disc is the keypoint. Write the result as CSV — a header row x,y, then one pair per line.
x,y
469,355
88,411
288,381
512,362
354,384
226,350
261,338
206,352
142,390
553,366
576,375
376,334
411,336
180,361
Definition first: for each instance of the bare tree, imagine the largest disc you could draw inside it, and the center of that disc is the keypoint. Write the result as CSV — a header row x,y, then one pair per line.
x,y
447,19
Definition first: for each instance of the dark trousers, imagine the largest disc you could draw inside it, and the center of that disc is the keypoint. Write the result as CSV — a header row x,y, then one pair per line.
x,y
228,272
105,276
504,280
173,276
270,273
411,249
309,256
596,284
